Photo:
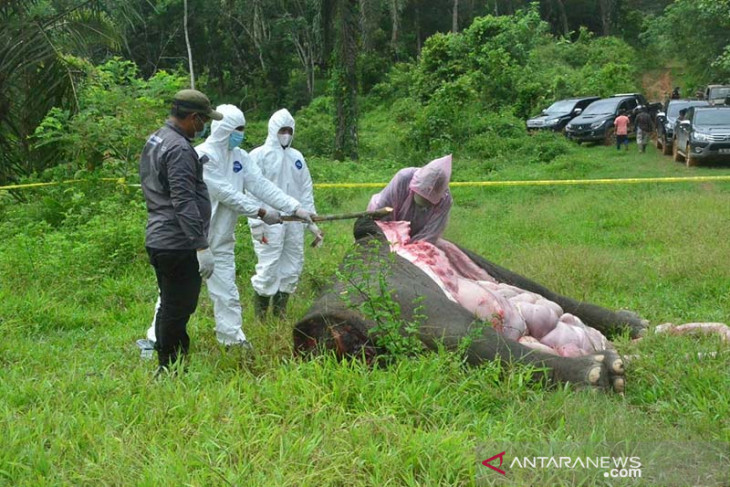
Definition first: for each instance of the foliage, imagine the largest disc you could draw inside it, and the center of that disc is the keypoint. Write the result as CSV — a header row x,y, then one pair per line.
x,y
695,32
315,128
35,74
365,278
117,111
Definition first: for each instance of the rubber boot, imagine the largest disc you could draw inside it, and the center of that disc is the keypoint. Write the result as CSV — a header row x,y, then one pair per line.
x,y
261,306
280,300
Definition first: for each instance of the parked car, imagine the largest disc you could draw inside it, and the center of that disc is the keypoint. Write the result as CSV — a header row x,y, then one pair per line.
x,y
717,94
703,135
595,124
666,119
557,115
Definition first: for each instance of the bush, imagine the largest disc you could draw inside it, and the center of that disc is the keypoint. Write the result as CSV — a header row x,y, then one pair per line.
x,y
117,112
316,128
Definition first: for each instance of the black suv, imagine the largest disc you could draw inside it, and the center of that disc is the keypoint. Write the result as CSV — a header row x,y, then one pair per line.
x,y
595,124
666,119
703,135
557,115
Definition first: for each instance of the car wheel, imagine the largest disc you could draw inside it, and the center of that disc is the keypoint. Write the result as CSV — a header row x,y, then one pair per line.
x,y
691,161
610,137
675,152
666,148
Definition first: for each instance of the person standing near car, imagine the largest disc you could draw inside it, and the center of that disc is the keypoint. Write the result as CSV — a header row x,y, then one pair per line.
x,y
622,130
644,127
178,218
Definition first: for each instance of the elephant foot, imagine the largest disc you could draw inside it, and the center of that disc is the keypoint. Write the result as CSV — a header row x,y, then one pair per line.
x,y
636,324
601,370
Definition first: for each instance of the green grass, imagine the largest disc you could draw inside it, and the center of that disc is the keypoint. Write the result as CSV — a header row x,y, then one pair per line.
x,y
78,406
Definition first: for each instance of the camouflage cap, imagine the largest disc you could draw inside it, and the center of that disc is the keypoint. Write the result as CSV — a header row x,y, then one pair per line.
x,y
194,101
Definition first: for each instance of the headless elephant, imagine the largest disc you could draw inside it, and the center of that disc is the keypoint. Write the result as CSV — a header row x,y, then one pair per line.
x,y
337,324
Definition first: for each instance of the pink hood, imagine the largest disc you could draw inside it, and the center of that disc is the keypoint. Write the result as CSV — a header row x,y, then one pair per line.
x,y
432,180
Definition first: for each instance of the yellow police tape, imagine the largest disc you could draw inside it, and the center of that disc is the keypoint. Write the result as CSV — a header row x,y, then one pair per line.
x,y
544,182
56,183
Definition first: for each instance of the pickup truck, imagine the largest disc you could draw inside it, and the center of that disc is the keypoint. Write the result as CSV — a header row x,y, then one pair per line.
x,y
703,135
557,115
717,94
666,119
595,124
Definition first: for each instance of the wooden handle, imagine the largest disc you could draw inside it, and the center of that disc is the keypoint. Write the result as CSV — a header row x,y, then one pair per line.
x,y
342,216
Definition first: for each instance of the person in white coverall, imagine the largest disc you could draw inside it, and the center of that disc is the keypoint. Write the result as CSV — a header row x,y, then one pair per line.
x,y
227,172
280,248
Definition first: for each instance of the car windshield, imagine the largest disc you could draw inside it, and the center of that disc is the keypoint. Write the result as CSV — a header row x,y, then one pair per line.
x,y
719,93
560,107
676,106
712,117
607,106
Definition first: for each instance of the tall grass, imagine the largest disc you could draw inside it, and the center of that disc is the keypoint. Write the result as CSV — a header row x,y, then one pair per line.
x,y
79,407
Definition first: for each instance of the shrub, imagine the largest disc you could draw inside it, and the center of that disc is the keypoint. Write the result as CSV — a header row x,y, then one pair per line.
x,y
316,128
117,112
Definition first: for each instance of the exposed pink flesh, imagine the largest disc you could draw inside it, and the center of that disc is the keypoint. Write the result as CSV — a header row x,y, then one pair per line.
x,y
512,311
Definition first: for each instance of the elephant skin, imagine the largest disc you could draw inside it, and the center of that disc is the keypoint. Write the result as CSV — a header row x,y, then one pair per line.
x,y
333,323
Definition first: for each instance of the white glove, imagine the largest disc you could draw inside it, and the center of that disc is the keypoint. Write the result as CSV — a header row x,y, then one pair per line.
x,y
206,263
259,234
271,217
318,235
303,214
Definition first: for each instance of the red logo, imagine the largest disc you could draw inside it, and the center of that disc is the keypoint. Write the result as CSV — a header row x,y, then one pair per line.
x,y
501,459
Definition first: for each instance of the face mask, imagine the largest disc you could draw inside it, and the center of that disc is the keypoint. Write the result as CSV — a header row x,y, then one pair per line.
x,y
235,139
420,201
284,139
201,132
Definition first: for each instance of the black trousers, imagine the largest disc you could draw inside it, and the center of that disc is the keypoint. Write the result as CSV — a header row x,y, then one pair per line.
x,y
179,282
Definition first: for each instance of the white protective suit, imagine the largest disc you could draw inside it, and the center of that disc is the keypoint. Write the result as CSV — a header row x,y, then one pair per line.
x,y
281,259
227,173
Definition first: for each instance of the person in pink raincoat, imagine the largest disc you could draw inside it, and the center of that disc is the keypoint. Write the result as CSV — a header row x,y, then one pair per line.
x,y
420,196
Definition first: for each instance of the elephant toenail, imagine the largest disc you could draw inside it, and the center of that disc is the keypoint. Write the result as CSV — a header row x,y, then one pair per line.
x,y
594,375
618,366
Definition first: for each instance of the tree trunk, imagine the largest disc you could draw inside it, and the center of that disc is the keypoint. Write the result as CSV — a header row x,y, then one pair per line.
x,y
418,30
187,42
345,80
394,23
455,17
563,16
606,7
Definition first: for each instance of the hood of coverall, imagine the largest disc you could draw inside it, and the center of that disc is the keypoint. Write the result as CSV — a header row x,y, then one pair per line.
x,y
220,130
432,180
281,118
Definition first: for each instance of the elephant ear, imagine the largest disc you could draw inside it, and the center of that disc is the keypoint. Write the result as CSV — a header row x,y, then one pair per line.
x,y
366,227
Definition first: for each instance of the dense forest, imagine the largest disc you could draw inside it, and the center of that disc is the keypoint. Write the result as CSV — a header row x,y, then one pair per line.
x,y
83,81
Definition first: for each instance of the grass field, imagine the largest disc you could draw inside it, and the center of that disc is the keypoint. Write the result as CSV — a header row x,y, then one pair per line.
x,y
79,407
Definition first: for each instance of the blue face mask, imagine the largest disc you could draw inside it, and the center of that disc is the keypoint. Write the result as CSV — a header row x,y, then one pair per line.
x,y
235,139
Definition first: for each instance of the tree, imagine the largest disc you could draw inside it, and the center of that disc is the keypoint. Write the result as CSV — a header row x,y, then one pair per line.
x,y
35,74
607,10
344,79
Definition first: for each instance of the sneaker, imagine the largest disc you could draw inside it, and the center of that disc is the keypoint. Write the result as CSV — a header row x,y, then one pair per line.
x,y
242,344
147,348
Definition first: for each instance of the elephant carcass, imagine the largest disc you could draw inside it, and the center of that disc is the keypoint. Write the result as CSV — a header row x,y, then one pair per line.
x,y
338,324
